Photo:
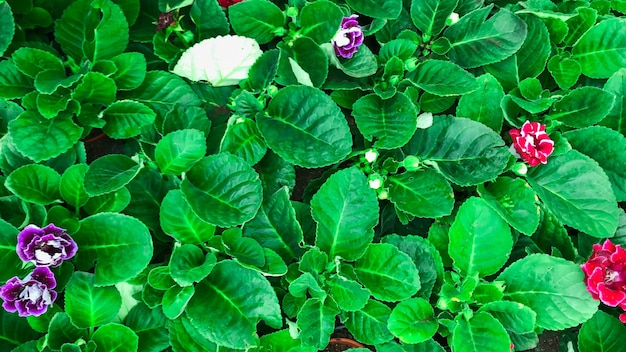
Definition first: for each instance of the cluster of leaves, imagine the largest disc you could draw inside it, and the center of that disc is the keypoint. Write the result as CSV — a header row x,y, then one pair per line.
x,y
197,237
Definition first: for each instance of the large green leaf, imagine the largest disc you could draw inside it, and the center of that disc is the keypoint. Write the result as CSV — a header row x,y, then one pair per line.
x,y
189,264
124,119
320,20
391,122
475,42
42,139
388,9
115,337
482,332
242,138
276,227
483,105
608,148
8,258
518,320
443,78
95,88
175,300
35,183
578,192
31,61
61,330
14,84
601,51
515,201
150,327
89,306
7,26
110,173
92,29
306,127
413,321
72,185
430,16
184,337
209,18
281,341
316,321
583,107
178,151
304,62
147,190
121,245
602,333
554,288
346,211
564,70
14,331
388,273
349,295
616,118
223,190
256,19
424,193
242,297
465,152
369,324
480,240
131,70
181,222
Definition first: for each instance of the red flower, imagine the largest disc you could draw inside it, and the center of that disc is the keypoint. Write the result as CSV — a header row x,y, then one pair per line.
x,y
532,143
227,3
605,275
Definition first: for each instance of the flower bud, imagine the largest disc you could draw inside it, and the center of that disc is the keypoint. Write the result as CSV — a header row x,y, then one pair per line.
x,y
452,19
348,38
520,169
411,163
371,155
375,181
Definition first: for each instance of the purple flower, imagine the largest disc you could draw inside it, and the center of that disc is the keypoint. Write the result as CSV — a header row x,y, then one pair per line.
x,y
30,296
45,247
347,40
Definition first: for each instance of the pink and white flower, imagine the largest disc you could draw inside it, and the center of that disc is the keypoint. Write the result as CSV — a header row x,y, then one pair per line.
x,y
532,143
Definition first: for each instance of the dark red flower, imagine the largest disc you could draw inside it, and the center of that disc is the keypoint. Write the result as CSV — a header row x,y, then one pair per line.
x,y
532,143
227,3
605,275
166,19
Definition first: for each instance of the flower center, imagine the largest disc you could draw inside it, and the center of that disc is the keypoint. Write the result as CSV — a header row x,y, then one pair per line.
x,y
611,276
35,293
529,139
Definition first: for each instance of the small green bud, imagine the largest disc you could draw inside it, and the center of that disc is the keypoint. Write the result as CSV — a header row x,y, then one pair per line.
x,y
411,64
291,12
520,169
371,155
375,181
272,90
383,194
411,163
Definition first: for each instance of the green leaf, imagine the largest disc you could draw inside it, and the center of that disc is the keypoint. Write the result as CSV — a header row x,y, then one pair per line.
x,y
49,105
113,202
388,273
465,152
49,81
125,119
94,30
583,107
305,62
161,91
316,322
483,105
35,183
306,282
209,18
263,70
346,211
564,70
95,88
223,190
616,85
608,148
443,78
61,330
482,332
7,27
281,341
14,84
131,70
189,264
423,193
518,320
243,295
178,151
72,185
579,24
121,245
369,324
602,333
150,327
305,127
181,222
554,288
183,337
176,299
362,64
256,19
601,51
245,250
320,21
515,201
276,227
181,118
160,278
413,321
89,306
116,338
110,173
349,295
578,192
14,331
430,16
388,9
476,42
31,61
391,122
243,139
8,258
480,240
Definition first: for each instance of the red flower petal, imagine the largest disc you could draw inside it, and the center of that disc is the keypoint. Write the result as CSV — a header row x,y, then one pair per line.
x,y
610,297
622,318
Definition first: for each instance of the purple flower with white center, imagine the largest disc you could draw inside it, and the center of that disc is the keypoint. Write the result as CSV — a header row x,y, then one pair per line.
x,y
30,296
349,37
45,247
